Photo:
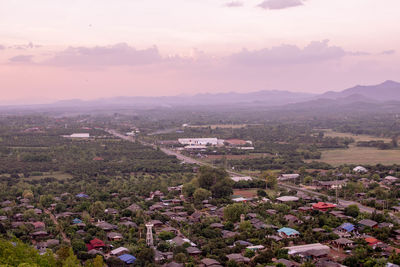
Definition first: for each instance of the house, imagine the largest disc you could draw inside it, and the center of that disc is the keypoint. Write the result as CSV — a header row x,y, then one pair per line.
x,y
368,223
179,241
286,232
322,206
238,258
38,225
113,236
255,248
337,184
316,249
390,179
287,199
82,195
206,262
360,169
373,242
78,135
106,226
237,142
347,227
217,225
119,251
127,258
198,141
228,234
291,219
95,244
173,264
193,251
342,243
133,208
241,178
287,263
287,177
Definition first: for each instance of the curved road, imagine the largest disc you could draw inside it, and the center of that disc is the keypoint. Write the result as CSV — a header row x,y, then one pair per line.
x,y
190,160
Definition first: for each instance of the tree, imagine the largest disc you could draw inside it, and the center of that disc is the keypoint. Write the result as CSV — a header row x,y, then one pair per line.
x,y
215,180
188,189
97,209
201,194
209,176
270,179
27,194
232,212
352,210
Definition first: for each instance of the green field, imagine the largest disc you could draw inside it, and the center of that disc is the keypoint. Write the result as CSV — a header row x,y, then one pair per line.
x,y
359,155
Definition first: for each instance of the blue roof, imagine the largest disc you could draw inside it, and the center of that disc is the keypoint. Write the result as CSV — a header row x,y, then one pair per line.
x,y
82,195
288,231
127,258
348,227
76,220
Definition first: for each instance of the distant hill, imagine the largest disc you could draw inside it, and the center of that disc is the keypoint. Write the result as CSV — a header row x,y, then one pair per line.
x,y
268,98
386,91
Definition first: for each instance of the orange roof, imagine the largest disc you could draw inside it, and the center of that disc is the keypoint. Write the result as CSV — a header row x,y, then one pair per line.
x,y
236,142
371,240
323,205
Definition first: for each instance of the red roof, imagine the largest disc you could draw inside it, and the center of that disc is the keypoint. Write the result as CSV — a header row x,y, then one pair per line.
x,y
96,243
371,240
236,142
323,206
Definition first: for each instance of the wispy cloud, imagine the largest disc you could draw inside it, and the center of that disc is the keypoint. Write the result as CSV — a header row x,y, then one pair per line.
x,y
234,4
119,54
280,4
388,52
2,47
316,51
21,59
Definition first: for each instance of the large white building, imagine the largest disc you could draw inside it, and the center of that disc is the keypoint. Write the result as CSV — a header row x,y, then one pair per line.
x,y
199,141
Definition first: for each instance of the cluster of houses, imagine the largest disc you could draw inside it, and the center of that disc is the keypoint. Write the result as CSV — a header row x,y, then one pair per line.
x,y
171,215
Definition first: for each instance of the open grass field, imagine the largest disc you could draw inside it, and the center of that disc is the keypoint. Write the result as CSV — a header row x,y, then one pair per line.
x,y
357,138
359,155
245,192
56,175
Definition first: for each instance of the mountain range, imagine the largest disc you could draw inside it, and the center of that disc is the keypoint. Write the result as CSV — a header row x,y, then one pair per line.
x,y
388,91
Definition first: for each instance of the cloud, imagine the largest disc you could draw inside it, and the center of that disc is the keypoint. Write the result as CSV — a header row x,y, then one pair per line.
x,y
234,4
280,4
115,55
21,59
290,54
2,47
388,52
29,45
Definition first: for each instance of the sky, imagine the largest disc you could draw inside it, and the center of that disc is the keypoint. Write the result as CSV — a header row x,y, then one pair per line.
x,y
52,50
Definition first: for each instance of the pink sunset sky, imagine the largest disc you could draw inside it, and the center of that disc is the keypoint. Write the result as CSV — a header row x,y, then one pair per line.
x,y
51,50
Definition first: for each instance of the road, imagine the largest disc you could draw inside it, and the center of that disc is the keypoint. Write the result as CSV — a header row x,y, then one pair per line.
x,y
190,160
53,218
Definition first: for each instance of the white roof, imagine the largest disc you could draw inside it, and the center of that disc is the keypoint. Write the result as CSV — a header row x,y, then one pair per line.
x,y
241,178
80,135
360,169
198,141
305,248
287,198
118,250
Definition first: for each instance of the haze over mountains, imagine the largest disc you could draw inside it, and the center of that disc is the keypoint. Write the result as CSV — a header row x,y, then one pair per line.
x,y
387,91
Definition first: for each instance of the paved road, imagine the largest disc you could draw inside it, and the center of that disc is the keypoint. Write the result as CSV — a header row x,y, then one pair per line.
x,y
190,160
